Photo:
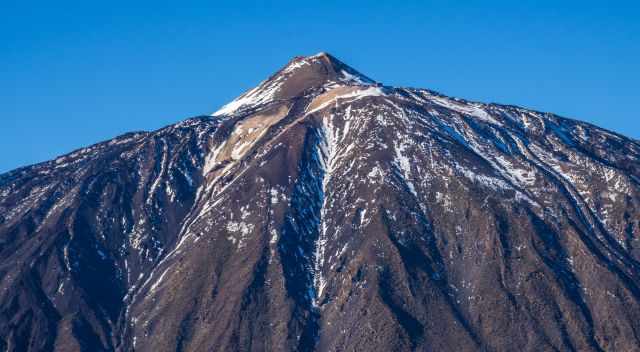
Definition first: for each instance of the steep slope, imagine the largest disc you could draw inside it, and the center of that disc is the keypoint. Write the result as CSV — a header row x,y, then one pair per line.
x,y
323,211
80,233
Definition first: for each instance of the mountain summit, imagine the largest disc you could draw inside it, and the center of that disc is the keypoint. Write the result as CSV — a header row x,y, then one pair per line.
x,y
321,211
301,75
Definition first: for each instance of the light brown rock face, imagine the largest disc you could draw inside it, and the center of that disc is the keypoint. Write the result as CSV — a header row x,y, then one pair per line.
x,y
321,211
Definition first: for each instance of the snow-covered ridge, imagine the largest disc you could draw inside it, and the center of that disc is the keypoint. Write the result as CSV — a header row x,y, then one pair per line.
x,y
346,95
266,91
259,95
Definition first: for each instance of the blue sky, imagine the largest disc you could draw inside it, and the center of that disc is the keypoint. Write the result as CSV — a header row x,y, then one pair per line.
x,y
76,73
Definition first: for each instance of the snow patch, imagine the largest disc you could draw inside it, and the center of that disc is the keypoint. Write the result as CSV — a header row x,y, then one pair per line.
x,y
465,109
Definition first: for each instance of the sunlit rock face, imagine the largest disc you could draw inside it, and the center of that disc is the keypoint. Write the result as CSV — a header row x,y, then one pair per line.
x,y
322,211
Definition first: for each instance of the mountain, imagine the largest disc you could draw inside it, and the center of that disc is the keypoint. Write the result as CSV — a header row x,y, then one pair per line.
x,y
322,211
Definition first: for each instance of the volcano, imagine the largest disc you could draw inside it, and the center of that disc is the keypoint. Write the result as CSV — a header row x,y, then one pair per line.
x,y
323,211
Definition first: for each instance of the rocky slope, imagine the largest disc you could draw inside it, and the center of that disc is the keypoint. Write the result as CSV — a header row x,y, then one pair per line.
x,y
322,211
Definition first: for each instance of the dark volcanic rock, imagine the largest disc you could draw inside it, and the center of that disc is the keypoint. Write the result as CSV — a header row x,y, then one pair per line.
x,y
321,211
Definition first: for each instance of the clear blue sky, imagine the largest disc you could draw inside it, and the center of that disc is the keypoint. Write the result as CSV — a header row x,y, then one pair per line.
x,y
76,73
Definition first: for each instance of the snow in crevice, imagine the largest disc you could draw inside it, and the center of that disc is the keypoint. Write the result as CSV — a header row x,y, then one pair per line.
x,y
514,173
67,260
403,163
159,177
328,160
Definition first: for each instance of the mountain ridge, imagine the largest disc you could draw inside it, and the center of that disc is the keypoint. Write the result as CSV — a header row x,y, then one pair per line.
x,y
324,211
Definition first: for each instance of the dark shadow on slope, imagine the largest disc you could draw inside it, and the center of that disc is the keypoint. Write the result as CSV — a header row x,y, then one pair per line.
x,y
554,257
297,243
415,260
